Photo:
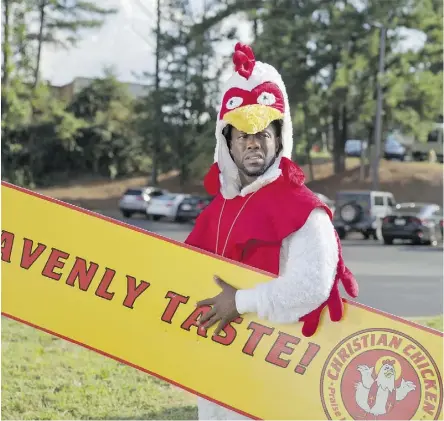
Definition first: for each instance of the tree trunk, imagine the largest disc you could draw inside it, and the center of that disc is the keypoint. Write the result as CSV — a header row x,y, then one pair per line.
x,y
344,125
369,151
310,165
362,163
330,138
183,177
158,137
40,43
6,58
182,155
255,28
324,141
365,159
308,145
344,135
338,146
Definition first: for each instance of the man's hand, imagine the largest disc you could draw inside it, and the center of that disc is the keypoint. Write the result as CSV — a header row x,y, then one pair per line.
x,y
224,307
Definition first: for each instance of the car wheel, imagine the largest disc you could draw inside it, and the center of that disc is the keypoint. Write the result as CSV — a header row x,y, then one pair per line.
x,y
388,241
350,213
127,214
366,235
433,240
156,217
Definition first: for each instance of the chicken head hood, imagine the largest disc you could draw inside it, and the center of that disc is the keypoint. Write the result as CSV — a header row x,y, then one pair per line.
x,y
252,98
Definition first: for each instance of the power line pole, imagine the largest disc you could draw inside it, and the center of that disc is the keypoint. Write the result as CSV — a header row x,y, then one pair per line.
x,y
379,101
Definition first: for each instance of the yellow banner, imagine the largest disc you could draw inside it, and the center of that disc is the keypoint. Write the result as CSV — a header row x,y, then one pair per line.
x,y
131,295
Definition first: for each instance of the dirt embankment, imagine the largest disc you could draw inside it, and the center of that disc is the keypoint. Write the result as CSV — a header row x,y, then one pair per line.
x,y
408,181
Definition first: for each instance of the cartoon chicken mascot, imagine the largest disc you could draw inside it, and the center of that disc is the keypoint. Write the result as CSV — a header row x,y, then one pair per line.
x,y
379,396
263,215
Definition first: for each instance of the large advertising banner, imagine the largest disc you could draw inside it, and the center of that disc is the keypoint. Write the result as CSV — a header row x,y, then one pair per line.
x,y
130,295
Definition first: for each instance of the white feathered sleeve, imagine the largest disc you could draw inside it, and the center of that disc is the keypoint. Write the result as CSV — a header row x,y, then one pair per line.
x,y
308,263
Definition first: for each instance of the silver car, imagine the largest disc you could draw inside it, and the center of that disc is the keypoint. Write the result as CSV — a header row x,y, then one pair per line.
x,y
165,206
135,200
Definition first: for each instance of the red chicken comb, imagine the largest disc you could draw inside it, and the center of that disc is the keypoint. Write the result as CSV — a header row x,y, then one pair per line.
x,y
389,362
244,60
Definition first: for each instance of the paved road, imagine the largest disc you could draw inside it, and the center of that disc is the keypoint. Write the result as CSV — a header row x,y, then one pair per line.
x,y
401,279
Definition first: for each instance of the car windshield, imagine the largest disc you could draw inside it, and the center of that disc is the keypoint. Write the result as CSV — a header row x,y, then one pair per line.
x,y
133,192
166,197
362,199
154,193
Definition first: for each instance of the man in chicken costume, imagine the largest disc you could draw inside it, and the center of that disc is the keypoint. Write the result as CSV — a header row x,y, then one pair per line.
x,y
264,216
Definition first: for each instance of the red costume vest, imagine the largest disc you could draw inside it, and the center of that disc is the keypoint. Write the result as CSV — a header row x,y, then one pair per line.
x,y
262,220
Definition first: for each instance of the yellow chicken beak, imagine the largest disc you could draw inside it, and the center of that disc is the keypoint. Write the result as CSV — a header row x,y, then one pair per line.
x,y
252,119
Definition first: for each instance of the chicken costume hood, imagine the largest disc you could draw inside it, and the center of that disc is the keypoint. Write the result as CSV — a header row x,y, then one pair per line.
x,y
252,98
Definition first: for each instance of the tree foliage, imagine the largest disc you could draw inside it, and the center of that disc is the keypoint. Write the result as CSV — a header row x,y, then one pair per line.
x,y
326,50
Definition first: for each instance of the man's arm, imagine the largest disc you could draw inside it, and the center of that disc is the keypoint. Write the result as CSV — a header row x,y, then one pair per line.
x,y
306,279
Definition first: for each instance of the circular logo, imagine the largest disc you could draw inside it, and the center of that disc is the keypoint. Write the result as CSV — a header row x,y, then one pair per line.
x,y
381,374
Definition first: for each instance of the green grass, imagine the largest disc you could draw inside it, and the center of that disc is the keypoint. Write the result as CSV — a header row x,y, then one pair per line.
x,y
320,154
433,322
44,377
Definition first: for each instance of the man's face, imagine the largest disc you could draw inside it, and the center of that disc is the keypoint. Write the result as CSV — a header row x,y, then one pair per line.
x,y
254,153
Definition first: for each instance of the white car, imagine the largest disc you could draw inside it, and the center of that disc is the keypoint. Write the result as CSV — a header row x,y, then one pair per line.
x,y
135,200
393,149
165,206
353,147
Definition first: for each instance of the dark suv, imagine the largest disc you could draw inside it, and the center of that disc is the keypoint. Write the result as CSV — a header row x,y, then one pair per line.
x,y
362,211
191,207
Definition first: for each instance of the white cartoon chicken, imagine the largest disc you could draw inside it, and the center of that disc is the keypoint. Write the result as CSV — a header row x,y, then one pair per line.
x,y
379,396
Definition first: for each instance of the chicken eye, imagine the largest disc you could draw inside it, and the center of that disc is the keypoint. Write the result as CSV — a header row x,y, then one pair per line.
x,y
234,102
266,98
